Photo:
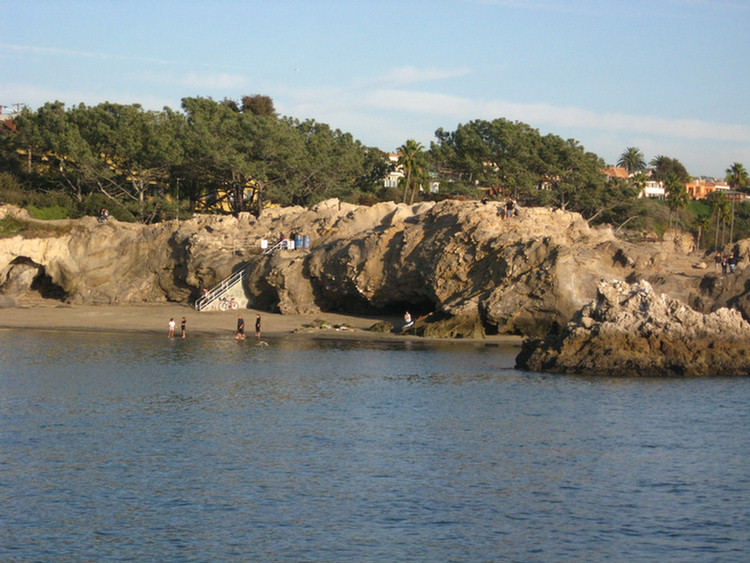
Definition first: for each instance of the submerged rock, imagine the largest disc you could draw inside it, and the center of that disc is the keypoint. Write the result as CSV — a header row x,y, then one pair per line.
x,y
631,330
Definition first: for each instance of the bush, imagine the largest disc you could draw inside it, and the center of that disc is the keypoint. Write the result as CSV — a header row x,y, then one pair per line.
x,y
48,213
11,190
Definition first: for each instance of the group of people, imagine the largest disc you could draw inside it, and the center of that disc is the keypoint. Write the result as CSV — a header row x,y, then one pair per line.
x,y
173,325
725,264
510,208
239,333
289,243
103,215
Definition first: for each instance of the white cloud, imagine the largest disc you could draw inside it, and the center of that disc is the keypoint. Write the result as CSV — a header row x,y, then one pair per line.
x,y
404,75
56,52
210,81
458,107
35,97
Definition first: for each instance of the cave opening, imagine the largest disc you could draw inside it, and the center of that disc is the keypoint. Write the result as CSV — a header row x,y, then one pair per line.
x,y
28,279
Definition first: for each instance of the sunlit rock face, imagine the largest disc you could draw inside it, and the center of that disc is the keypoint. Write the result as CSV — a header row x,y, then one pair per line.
x,y
631,330
458,264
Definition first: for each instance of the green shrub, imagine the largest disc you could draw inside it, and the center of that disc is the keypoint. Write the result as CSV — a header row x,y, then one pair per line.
x,y
48,213
11,190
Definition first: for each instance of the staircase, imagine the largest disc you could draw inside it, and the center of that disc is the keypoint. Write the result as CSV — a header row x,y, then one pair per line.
x,y
220,290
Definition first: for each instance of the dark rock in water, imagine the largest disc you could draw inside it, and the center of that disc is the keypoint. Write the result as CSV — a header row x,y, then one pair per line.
x,y
630,330
382,326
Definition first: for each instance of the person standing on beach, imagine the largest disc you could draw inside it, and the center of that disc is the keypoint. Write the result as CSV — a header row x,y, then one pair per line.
x,y
408,320
183,325
257,326
171,327
240,328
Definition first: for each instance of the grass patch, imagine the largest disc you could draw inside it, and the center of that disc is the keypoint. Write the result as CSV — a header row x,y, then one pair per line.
x,y
48,213
13,226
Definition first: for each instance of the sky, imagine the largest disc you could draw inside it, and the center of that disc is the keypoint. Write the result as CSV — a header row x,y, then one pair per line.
x,y
670,77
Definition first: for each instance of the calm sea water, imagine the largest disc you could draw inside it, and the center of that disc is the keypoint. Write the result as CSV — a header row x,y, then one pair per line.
x,y
133,448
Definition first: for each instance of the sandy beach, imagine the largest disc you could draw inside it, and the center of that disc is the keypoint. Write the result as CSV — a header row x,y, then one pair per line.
x,y
154,319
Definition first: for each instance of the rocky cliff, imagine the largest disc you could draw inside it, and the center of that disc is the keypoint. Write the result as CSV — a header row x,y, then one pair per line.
x,y
633,331
458,262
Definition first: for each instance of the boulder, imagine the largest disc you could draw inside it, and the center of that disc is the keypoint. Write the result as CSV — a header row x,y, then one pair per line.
x,y
629,329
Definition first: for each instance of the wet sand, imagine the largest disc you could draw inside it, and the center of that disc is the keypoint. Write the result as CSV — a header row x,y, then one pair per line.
x,y
154,319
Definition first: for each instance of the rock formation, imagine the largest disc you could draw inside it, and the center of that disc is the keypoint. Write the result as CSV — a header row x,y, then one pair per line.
x,y
631,330
458,263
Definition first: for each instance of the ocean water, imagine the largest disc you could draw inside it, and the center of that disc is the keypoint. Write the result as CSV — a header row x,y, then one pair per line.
x,y
137,448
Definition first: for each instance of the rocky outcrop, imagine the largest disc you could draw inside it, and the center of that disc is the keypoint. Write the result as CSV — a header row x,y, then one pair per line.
x,y
458,264
631,330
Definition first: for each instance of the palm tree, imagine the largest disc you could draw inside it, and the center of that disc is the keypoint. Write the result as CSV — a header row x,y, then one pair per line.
x,y
702,222
632,159
737,179
721,209
737,176
638,181
677,196
410,158
659,161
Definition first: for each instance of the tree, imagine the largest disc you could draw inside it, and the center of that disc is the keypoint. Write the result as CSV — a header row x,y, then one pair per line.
x,y
677,196
720,209
632,159
259,105
141,145
664,166
65,156
540,170
218,147
411,159
737,177
571,173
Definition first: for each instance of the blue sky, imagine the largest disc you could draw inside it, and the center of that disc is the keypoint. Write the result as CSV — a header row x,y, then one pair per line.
x,y
668,76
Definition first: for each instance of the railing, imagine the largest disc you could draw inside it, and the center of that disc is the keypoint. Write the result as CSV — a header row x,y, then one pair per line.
x,y
219,290
281,245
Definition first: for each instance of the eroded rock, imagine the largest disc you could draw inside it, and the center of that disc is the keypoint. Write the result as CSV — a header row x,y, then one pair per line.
x,y
632,330
458,264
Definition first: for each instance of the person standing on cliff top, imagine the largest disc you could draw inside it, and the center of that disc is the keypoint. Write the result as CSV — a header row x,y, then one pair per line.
x,y
509,206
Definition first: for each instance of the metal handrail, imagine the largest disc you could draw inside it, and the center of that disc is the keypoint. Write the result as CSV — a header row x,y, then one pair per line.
x,y
219,290
278,246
